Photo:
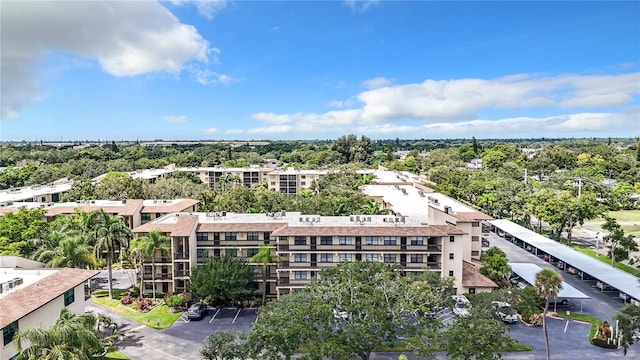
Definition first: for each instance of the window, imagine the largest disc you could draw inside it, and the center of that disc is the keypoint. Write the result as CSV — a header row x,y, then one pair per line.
x,y
9,331
253,236
371,240
202,253
326,258
147,270
69,297
389,240
345,257
371,257
300,275
416,258
345,240
472,290
417,240
300,258
475,224
300,240
389,258
202,236
452,238
450,256
145,216
252,251
451,273
475,253
475,238
326,240
231,236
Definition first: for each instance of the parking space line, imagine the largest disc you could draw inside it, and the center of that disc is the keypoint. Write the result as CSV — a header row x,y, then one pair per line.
x,y
214,316
185,318
234,319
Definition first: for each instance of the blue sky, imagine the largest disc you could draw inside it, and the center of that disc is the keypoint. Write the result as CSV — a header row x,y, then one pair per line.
x,y
115,70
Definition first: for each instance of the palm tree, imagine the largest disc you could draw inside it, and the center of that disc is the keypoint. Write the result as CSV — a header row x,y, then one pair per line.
x,y
70,252
372,207
264,257
548,283
112,235
148,246
70,337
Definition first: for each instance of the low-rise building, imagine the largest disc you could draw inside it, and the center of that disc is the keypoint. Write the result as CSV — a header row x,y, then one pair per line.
x,y
34,297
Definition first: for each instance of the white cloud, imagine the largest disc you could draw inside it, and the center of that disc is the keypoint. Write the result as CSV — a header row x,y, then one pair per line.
x,y
127,38
175,119
207,77
376,83
360,6
210,131
206,8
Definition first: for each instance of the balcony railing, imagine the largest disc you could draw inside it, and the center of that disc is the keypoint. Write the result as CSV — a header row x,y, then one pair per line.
x,y
159,276
435,265
181,256
180,273
434,248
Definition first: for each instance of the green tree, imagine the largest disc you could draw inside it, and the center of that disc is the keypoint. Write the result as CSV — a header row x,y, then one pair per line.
x,y
619,243
548,283
264,258
70,251
112,236
629,324
148,247
222,281
495,266
224,345
71,337
20,229
372,207
286,325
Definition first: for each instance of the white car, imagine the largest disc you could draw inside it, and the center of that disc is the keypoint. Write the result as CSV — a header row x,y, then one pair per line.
x,y
461,305
505,312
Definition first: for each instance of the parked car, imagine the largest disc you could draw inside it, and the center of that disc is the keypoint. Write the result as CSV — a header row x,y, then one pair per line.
x,y
505,312
461,305
196,311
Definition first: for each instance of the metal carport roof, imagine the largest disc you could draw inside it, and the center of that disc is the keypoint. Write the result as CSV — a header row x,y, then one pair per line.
x,y
616,278
528,273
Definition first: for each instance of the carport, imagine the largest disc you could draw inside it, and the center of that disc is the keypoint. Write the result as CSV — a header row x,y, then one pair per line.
x,y
528,273
569,260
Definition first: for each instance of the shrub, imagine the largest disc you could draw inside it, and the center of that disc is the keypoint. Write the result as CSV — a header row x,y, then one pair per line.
x,y
175,301
142,304
134,291
126,300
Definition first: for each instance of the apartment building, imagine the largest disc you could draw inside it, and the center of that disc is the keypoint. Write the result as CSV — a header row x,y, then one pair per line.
x,y
306,244
34,297
134,211
217,176
49,193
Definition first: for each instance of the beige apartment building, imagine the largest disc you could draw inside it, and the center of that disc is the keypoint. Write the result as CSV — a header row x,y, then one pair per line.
x,y
34,297
306,244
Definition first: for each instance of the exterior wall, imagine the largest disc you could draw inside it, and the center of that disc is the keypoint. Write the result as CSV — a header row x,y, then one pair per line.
x,y
45,317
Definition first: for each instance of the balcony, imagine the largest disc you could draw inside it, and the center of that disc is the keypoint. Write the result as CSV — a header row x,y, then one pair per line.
x,y
284,281
434,248
159,276
436,265
181,273
180,256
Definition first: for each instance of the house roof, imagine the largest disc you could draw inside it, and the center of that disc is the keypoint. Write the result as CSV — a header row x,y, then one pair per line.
x,y
24,301
471,277
177,206
129,208
464,216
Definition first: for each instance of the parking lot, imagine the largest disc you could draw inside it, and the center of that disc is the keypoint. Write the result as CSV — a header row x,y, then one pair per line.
x,y
215,319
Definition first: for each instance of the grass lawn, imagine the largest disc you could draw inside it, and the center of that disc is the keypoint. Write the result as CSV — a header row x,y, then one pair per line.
x,y
594,321
626,215
624,267
114,354
149,318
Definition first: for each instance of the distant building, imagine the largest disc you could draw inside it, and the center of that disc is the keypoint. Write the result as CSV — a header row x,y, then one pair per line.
x,y
34,297
50,193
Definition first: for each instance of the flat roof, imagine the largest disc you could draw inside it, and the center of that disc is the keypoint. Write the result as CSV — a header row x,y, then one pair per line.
x,y
29,192
30,276
528,273
403,199
616,278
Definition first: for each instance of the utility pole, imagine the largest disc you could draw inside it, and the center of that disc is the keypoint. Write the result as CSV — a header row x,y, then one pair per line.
x,y
525,176
579,187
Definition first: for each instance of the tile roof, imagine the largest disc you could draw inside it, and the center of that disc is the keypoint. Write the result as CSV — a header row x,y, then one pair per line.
x,y
175,207
24,301
127,209
471,277
464,216
185,225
